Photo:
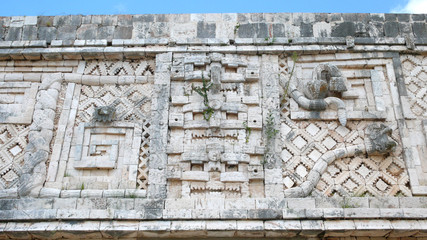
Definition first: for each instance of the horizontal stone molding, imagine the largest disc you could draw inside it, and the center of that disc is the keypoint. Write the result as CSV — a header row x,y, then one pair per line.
x,y
119,53
205,41
213,228
141,213
86,198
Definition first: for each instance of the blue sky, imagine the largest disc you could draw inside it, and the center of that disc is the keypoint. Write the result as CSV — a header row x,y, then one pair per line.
x,y
86,7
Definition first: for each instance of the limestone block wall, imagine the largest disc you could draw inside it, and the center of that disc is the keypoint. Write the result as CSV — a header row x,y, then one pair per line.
x,y
213,125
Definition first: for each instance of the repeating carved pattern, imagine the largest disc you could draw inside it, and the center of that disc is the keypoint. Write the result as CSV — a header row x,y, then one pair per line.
x,y
112,154
216,121
131,102
13,140
415,112
142,178
415,73
118,68
304,142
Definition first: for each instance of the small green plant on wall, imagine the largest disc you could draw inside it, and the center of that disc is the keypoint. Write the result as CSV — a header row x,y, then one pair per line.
x,y
236,28
248,131
270,133
203,91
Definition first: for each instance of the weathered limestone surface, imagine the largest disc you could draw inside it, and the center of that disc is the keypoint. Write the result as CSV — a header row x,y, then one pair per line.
x,y
213,125
178,26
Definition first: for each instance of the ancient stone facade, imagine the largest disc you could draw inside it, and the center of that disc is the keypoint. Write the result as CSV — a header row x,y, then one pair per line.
x,y
213,125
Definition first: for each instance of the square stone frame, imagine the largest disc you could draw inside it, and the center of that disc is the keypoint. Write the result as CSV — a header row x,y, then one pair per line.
x,y
398,93
85,147
8,112
68,137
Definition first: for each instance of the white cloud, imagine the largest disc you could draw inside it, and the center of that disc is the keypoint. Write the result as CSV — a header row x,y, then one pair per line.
x,y
412,6
121,8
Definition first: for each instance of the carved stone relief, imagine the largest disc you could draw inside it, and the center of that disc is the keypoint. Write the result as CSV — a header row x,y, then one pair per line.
x,y
343,90
109,125
13,140
216,146
142,67
329,157
414,106
226,133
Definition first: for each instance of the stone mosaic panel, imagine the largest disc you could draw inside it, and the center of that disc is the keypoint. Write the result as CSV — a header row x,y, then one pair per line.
x,y
306,142
359,84
141,67
415,112
144,152
13,140
216,146
415,73
131,101
108,154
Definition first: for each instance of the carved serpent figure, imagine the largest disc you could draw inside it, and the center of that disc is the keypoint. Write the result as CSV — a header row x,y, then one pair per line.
x,y
327,79
319,104
377,142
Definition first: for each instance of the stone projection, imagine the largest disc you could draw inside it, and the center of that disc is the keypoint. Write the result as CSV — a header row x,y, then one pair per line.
x,y
242,126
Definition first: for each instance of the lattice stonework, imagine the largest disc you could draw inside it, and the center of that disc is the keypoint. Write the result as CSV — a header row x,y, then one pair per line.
x,y
131,102
130,123
13,140
142,178
415,113
95,152
415,73
304,142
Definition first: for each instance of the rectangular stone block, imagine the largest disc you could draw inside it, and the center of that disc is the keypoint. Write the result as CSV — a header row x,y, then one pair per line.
x,y
264,214
174,214
301,203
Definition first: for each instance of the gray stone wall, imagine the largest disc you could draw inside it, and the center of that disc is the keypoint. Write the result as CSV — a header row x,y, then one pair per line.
x,y
222,26
213,125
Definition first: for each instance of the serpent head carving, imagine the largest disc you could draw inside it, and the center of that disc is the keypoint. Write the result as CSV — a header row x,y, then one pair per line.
x,y
378,139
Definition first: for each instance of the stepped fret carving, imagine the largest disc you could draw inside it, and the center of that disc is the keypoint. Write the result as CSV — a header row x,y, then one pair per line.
x,y
120,68
131,102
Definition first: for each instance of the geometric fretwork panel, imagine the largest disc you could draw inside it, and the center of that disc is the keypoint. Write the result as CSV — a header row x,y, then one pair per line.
x,y
415,72
308,135
415,113
104,155
144,153
118,68
131,102
215,146
305,142
13,140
